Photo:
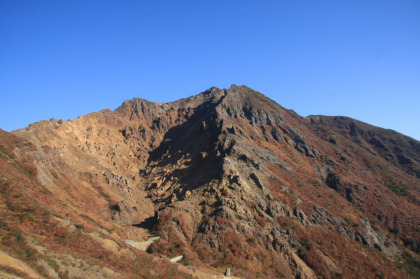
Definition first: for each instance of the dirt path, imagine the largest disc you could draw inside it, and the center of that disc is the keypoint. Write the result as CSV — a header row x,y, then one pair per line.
x,y
196,272
203,273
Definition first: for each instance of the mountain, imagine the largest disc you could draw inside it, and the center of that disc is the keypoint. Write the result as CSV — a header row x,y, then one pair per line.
x,y
226,178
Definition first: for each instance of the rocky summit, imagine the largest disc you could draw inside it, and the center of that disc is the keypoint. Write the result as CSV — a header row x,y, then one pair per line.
x,y
224,179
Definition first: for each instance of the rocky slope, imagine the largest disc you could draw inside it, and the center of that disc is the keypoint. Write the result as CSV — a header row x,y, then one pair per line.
x,y
227,178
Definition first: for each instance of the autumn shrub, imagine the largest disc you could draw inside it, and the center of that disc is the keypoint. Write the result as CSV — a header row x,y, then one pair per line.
x,y
14,271
3,224
170,244
13,206
400,189
14,240
410,264
204,252
52,263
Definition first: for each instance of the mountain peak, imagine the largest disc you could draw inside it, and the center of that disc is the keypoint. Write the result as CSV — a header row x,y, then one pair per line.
x,y
228,176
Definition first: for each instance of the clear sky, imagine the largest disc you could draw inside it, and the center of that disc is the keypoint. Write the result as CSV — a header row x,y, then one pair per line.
x,y
354,58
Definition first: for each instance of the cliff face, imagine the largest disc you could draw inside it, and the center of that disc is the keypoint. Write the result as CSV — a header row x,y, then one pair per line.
x,y
229,177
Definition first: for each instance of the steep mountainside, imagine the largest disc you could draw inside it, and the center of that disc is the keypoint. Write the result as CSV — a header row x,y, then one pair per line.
x,y
226,178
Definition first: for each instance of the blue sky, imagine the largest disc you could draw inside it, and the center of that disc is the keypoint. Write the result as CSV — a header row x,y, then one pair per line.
x,y
355,58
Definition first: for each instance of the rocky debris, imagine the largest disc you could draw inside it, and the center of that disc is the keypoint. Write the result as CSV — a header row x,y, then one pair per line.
x,y
341,156
116,180
256,180
349,192
333,140
322,217
257,117
279,234
125,212
276,134
276,209
377,143
300,215
303,147
370,237
329,162
334,182
299,143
